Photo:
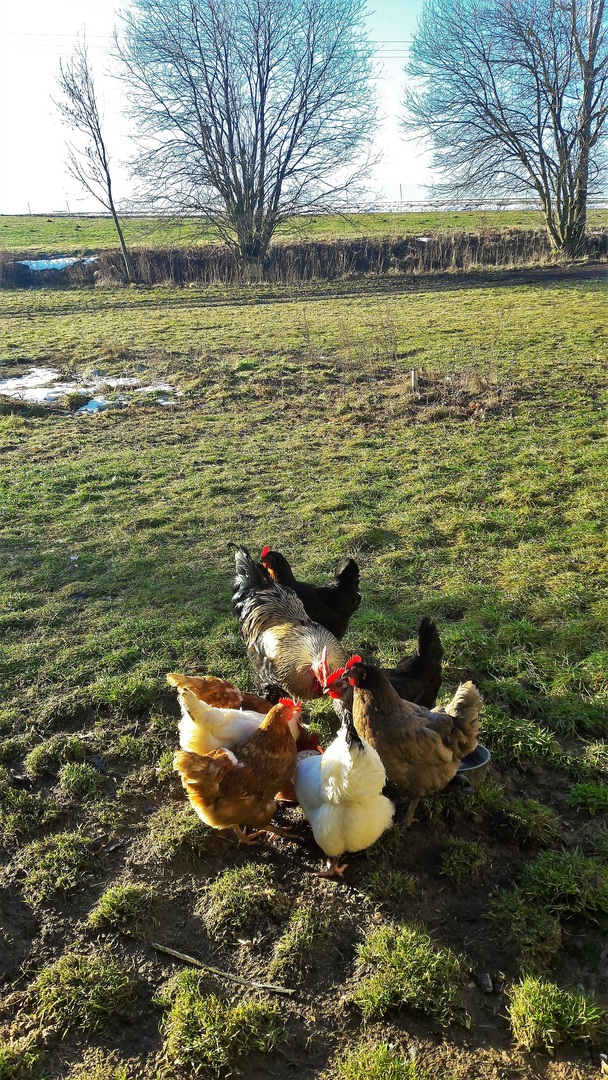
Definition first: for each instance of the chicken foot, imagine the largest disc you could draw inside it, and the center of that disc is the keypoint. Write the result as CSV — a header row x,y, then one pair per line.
x,y
285,832
252,838
333,870
248,838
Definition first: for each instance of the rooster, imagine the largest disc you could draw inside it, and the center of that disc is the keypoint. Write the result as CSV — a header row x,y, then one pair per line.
x,y
238,787
340,793
288,651
420,749
330,605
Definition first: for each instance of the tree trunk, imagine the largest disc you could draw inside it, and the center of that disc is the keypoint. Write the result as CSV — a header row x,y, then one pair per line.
x,y
130,272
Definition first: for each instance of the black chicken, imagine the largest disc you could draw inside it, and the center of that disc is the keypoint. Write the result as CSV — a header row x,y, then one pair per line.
x,y
417,677
330,605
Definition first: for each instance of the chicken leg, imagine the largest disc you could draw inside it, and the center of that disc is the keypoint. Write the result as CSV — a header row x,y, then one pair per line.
x,y
333,870
409,817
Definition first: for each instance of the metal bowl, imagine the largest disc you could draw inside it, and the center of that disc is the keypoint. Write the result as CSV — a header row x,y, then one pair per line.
x,y
475,764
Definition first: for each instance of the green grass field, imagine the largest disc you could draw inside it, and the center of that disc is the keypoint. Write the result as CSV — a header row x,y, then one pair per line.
x,y
481,501
38,234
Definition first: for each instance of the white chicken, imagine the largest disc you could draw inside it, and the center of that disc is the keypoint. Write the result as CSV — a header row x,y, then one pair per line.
x,y
340,793
204,727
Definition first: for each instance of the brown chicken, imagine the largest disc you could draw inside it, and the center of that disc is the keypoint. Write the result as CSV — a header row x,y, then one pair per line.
x,y
420,749
237,787
288,651
217,692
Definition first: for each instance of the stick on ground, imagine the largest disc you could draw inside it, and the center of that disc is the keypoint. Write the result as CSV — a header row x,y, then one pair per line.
x,y
223,974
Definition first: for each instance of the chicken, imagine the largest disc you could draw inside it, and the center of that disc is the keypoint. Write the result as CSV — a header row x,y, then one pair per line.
x,y
237,787
330,605
217,692
420,749
417,677
288,651
205,727
341,796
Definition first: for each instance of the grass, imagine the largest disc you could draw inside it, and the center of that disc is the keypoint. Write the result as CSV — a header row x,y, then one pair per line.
x,y
389,886
375,1062
532,821
462,859
555,886
401,966
536,931
203,1033
47,756
240,894
566,882
125,909
91,993
291,953
543,1016
56,864
176,830
297,429
21,812
74,235
78,778
96,1065
19,1059
589,796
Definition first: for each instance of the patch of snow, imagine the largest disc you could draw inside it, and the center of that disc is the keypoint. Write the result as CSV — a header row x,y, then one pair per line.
x,y
36,387
151,389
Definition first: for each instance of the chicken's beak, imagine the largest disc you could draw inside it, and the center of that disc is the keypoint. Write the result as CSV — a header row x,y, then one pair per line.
x,y
335,684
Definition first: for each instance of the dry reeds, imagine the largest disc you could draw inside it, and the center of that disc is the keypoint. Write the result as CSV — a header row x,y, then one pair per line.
x,y
304,261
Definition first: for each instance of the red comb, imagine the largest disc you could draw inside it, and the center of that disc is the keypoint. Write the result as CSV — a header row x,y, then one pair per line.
x,y
353,660
288,701
265,552
335,675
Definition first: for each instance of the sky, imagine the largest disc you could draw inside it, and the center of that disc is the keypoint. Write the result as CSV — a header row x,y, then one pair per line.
x,y
36,34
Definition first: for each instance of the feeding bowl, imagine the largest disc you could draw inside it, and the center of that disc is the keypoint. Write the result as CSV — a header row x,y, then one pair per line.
x,y
475,765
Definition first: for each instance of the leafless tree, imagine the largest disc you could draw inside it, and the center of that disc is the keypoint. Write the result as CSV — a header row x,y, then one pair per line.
x,y
514,97
249,111
89,163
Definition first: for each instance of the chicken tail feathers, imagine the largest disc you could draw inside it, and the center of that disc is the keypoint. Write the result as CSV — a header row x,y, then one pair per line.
x,y
201,776
465,707
427,656
346,574
249,576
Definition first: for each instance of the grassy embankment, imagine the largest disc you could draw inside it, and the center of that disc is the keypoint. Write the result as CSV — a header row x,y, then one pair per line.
x,y
38,234
481,502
